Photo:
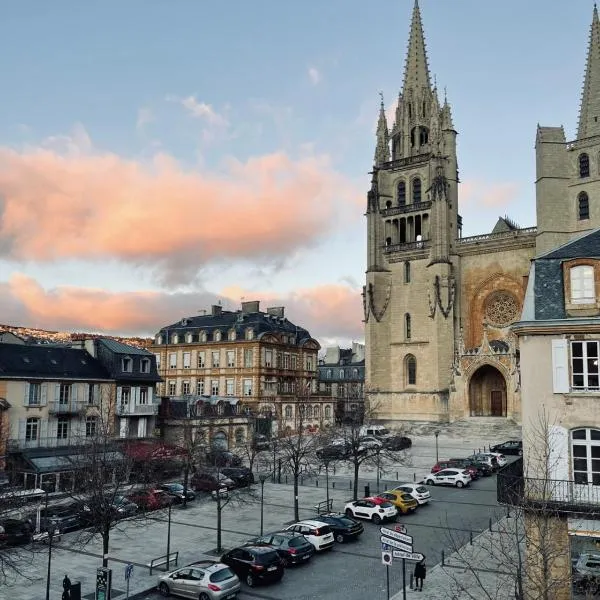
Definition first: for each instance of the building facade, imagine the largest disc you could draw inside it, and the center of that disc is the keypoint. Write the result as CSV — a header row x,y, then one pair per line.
x,y
438,306
260,357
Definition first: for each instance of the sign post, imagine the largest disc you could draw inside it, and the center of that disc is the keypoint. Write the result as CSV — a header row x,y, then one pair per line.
x,y
402,547
128,572
386,559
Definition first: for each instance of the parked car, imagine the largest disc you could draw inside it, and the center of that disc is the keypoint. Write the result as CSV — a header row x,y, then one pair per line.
x,y
344,528
64,517
419,492
404,502
261,442
207,580
204,481
223,458
456,464
397,442
293,548
119,506
487,459
175,491
15,532
499,457
255,564
150,499
241,476
484,469
511,447
318,533
370,443
376,431
372,508
454,477
337,450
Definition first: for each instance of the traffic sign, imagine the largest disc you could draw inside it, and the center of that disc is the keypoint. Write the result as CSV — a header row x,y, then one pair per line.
x,y
386,557
407,539
128,571
396,544
408,555
400,528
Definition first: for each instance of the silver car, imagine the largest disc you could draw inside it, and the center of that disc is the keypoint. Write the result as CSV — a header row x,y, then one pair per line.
x,y
206,580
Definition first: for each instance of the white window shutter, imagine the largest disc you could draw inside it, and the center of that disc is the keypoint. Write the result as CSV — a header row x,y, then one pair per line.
x,y
119,389
74,392
57,392
26,394
560,367
44,394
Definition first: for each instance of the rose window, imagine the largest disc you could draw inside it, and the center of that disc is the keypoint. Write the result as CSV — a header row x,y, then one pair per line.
x,y
502,309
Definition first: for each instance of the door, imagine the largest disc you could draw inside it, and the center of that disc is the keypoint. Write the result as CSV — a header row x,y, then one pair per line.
x,y
496,403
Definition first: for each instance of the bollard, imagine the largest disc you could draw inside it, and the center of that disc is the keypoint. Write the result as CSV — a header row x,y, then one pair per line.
x,y
490,523
286,479
443,557
349,485
301,480
471,537
396,475
317,482
333,485
411,581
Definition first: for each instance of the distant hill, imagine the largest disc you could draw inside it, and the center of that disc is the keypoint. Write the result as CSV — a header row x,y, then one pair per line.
x,y
43,336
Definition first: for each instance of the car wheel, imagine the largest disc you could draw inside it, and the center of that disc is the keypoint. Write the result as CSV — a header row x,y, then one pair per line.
x,y
163,588
376,519
349,512
339,538
250,580
285,562
204,596
459,484
430,482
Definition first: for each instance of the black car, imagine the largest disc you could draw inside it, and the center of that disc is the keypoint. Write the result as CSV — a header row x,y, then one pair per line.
x,y
175,491
333,452
15,532
293,548
223,458
254,564
261,442
344,528
514,447
241,476
397,442
484,469
64,517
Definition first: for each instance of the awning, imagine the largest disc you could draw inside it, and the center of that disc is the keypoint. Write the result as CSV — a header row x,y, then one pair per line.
x,y
56,463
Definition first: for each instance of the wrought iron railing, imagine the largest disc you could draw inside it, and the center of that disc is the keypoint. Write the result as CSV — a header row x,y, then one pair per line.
x,y
388,249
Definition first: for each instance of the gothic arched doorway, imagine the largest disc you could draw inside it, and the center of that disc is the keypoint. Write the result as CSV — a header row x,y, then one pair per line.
x,y
487,393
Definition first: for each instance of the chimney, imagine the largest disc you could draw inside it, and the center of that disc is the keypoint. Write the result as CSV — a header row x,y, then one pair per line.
x,y
277,311
216,309
250,307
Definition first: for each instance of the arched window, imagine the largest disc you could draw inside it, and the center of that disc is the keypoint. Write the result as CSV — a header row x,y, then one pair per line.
x,y
416,190
341,373
231,335
582,285
159,339
203,337
355,373
249,334
309,412
585,453
583,206
388,204
423,136
188,338
316,411
407,331
217,336
584,165
410,365
328,411
406,272
410,110
288,412
401,193
174,339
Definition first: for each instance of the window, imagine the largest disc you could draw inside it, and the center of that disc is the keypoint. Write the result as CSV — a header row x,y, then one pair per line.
x,y
64,393
329,373
203,336
62,428
239,436
355,373
216,359
125,395
286,361
174,339
214,387
316,411
341,374
585,452
200,387
189,338
309,363
173,360
145,365
583,206
231,358
157,361
584,165
229,387
407,330
91,426
584,365
247,387
201,360
249,334
268,358
93,393
187,360
231,335
308,411
159,339
410,364
406,272
32,429
126,365
582,284
416,190
172,388
288,412
34,397
401,193
328,411
294,364
217,336
185,388
143,395
248,358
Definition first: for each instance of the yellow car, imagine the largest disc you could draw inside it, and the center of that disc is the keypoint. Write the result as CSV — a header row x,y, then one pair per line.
x,y
404,502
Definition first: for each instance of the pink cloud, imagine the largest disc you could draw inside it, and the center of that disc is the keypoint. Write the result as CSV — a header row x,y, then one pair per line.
x,y
495,194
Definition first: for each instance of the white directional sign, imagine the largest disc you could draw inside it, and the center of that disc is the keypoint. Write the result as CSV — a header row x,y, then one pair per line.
x,y
408,555
395,544
402,537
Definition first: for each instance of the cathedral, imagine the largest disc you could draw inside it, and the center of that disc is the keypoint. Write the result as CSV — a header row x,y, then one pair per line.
x,y
438,306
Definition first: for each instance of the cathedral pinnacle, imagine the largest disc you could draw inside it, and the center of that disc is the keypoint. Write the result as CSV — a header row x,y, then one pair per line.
x,y
589,113
382,150
416,70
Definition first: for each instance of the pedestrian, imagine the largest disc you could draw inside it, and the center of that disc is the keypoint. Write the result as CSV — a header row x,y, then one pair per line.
x,y
420,572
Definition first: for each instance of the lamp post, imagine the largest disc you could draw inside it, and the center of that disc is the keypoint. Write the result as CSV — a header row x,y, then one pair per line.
x,y
262,478
169,536
274,442
437,454
50,531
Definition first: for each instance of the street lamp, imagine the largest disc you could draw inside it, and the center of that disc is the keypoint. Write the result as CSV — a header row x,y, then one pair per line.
x,y
169,536
437,454
262,478
50,532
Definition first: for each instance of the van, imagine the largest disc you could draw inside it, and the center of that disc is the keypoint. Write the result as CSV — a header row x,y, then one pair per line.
x,y
376,431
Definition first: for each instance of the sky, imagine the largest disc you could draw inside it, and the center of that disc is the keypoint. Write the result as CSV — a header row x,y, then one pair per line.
x,y
157,157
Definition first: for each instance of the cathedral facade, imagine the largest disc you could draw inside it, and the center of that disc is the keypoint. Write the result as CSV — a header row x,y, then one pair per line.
x,y
438,307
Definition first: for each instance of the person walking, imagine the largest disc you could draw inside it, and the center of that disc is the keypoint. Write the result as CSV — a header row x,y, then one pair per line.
x,y
420,573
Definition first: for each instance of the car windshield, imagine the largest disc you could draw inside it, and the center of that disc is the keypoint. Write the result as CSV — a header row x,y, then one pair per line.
x,y
174,487
297,542
221,575
346,521
383,431
386,504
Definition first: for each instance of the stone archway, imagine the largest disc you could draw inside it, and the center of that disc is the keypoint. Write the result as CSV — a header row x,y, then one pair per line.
x,y
487,393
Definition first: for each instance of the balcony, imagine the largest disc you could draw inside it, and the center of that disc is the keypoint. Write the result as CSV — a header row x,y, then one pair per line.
x,y
136,410
16,444
559,496
73,407
404,247
406,208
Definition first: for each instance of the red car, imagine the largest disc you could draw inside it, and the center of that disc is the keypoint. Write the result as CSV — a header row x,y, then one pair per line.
x,y
454,464
150,499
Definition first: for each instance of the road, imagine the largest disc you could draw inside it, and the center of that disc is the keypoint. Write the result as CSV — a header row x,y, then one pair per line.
x,y
356,567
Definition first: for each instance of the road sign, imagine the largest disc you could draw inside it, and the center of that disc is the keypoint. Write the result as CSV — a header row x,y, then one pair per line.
x,y
399,529
128,571
402,537
386,557
408,555
395,544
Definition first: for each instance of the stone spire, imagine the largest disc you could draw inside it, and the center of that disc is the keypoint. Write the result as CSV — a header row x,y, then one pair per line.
x,y
589,113
382,150
446,114
416,70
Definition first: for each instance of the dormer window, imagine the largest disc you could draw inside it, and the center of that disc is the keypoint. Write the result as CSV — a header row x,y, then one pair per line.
x,y
159,339
584,165
189,337
203,336
217,336
582,284
175,339
127,364
231,335
145,365
249,334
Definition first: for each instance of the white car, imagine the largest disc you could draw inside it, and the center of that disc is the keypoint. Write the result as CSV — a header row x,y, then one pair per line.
x,y
319,534
499,457
455,477
374,509
370,443
419,492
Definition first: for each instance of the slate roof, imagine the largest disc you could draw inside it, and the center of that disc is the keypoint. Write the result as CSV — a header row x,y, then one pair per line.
x,y
588,246
49,362
121,348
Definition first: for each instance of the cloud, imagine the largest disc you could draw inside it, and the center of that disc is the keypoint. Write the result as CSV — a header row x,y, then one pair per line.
x,y
494,194
200,110
332,311
145,116
314,75
96,206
